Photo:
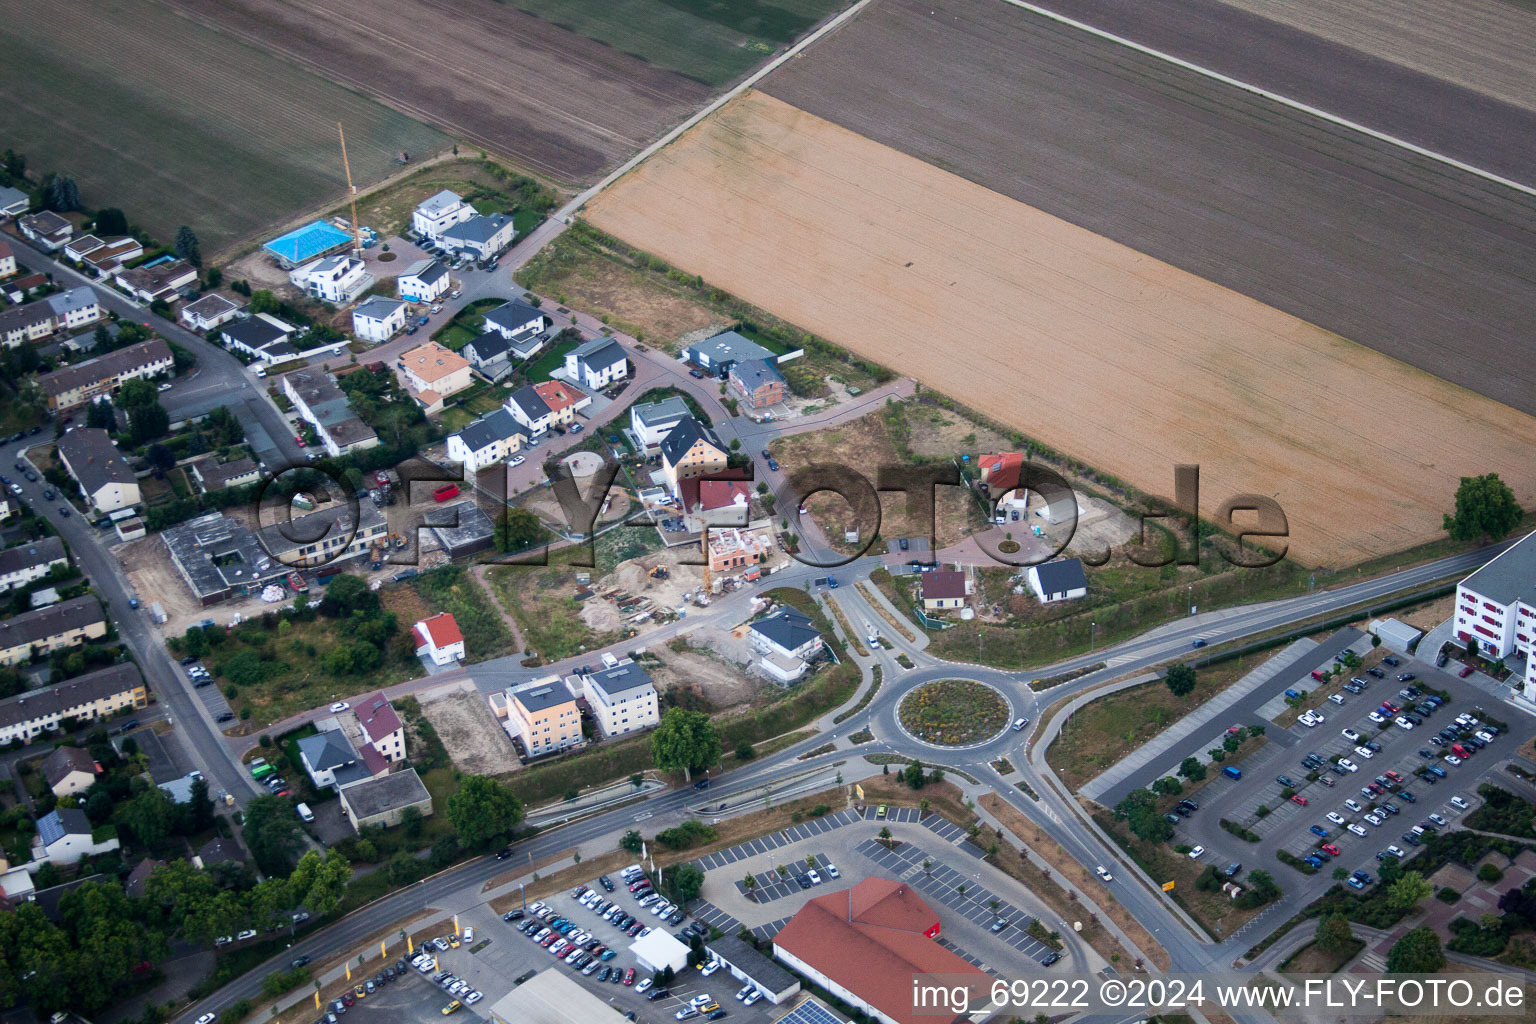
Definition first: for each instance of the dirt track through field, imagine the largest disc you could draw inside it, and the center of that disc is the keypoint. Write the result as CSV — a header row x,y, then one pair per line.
x,y
559,104
1095,349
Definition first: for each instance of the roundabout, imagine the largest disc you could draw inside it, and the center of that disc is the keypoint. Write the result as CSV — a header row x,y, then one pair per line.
x,y
954,713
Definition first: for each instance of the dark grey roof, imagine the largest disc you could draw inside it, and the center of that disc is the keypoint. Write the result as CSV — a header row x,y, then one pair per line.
x,y
72,693
477,229
216,555
146,353
93,459
682,437
767,974
281,539
427,271
599,353
378,307
61,822
33,553
64,761
332,751
1061,576
221,851
754,373
386,793
728,347
487,348
538,696
626,675
494,426
531,402
513,316
668,410
1509,577
253,333
461,528
787,628
30,627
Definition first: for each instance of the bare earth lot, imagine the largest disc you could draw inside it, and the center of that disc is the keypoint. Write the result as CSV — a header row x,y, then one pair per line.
x,y
479,744
1095,349
178,125
548,99
1424,264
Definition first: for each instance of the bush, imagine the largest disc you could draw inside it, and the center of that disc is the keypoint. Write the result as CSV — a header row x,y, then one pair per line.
x,y
1239,831
1445,894
690,833
1489,873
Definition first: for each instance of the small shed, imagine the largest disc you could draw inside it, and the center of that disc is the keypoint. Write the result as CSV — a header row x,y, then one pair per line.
x,y
1396,635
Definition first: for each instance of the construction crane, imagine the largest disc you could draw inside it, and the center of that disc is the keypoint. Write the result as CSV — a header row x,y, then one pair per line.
x,y
704,550
357,238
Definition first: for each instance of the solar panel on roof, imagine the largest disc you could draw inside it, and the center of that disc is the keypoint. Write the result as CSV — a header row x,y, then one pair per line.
x,y
810,1012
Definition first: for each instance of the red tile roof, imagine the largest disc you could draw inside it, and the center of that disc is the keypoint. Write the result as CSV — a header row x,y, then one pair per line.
x,y
1000,471
690,486
378,716
376,763
943,583
558,395
871,940
715,494
442,629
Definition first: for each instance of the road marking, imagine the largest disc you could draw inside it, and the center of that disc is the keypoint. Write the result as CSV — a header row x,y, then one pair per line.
x,y
1275,97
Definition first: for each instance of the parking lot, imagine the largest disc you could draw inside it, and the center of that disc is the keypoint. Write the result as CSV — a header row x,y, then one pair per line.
x,y
1366,824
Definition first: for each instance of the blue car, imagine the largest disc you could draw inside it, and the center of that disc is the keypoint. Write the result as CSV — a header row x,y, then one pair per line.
x,y
1435,769
1355,883
1318,830
1314,861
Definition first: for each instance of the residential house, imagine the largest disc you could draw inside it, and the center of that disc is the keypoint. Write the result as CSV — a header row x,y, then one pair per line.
x,y
562,400
853,943
516,321
381,726
596,364
1000,471
718,354
481,236
316,397
219,558
424,281
431,367
60,311
76,248
490,354
1059,580
529,409
690,450
22,288
73,386
45,630
621,697
330,759
107,260
13,201
30,561
94,696
7,259
74,309
156,282
732,549
213,475
944,588
210,311
342,531
723,500
382,802
335,279
263,337
47,229
216,851
439,213
139,877
543,716
487,441
69,770
787,642
64,837
105,478
650,421
438,637
757,383
378,319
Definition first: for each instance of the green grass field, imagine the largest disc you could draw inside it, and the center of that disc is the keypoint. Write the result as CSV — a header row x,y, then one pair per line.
x,y
714,41
177,124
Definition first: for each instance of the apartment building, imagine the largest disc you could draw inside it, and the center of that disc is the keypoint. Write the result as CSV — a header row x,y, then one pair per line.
x,y
30,562
621,697
95,695
544,717
106,480
75,385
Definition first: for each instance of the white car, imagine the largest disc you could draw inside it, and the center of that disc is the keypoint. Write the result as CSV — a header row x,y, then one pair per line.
x,y
1348,765
1374,820
516,460
1396,851
1104,875
469,935
1365,752
473,996
753,996
702,999
1316,716
742,992
1336,698
1377,717
1458,802
710,968
642,984
1309,720
1403,723
832,870
1356,829
1452,759
813,876
1196,853
163,387
339,707
1351,735
1335,817
1352,805
206,1018
249,933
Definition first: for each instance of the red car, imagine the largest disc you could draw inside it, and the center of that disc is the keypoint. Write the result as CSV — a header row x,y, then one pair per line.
x,y
299,439
629,976
1330,849
347,1000
1466,670
1297,798
1393,775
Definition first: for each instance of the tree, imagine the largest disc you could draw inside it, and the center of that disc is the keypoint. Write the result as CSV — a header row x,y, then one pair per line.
x,y
111,221
483,810
685,741
1167,786
346,594
161,457
517,528
151,816
1333,934
1139,811
1180,679
187,246
631,841
687,881
148,422
750,884
1406,892
319,884
1485,509
199,807
745,751
1192,769
272,835
1418,952
885,834
912,774
63,194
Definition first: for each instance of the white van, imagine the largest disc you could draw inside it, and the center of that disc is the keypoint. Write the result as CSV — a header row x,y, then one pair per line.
x,y
305,812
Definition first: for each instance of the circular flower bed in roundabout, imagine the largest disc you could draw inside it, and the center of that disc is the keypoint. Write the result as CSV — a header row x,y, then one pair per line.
x,y
954,712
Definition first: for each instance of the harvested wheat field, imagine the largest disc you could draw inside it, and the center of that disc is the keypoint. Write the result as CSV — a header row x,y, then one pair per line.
x,y
1097,350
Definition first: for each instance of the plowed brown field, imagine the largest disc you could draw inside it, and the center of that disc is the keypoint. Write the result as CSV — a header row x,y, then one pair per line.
x,y
560,104
1095,349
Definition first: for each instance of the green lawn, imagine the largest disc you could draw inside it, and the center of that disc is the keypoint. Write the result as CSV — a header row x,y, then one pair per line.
x,y
194,142
451,589
527,219
551,360
455,418
710,40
